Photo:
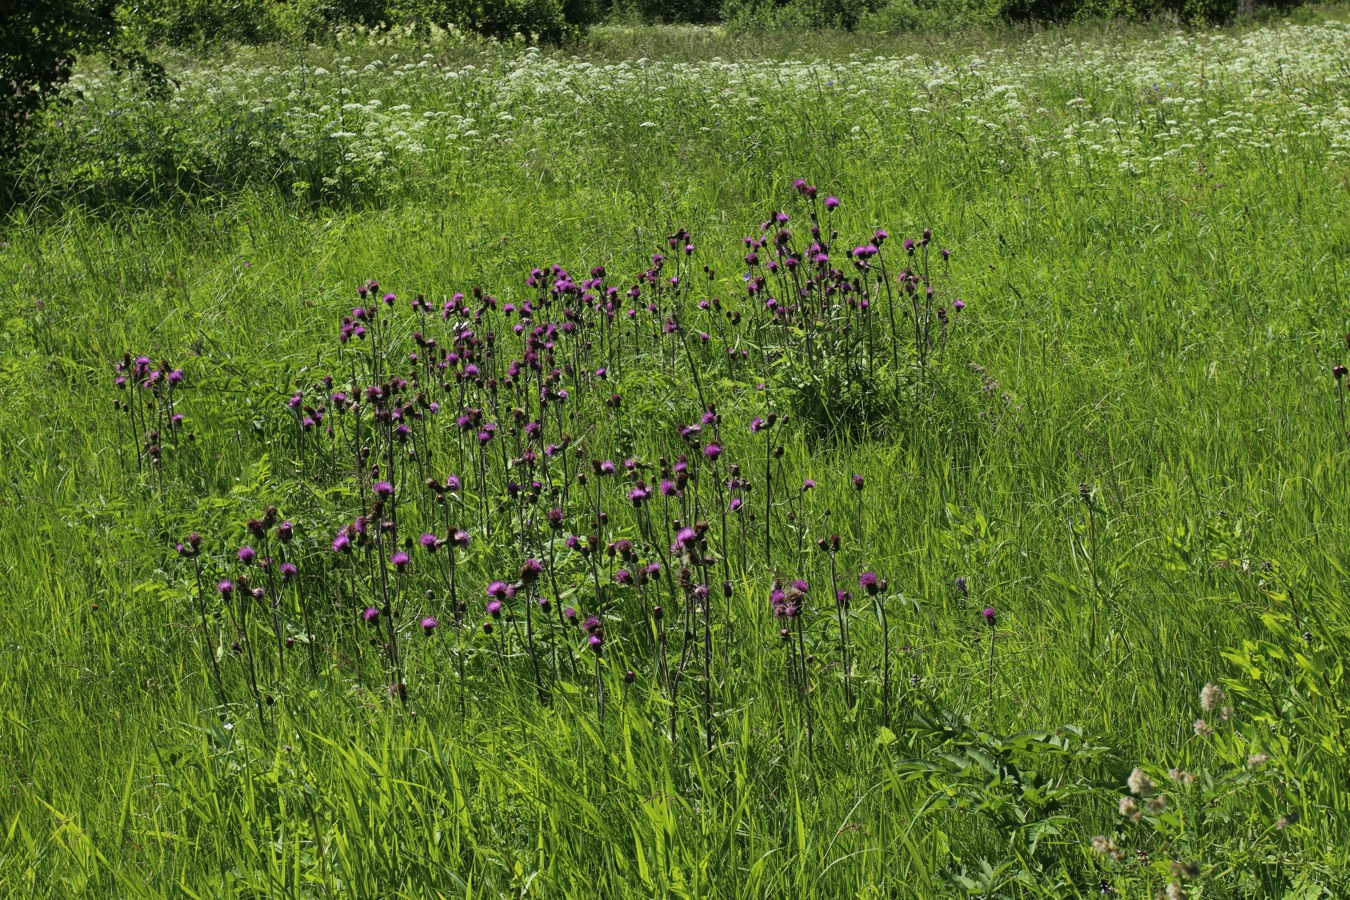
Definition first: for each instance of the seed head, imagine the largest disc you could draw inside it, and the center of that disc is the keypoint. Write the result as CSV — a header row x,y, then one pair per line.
x,y
1140,784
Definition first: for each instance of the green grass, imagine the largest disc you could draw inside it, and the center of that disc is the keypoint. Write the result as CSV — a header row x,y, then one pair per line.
x,y
1161,333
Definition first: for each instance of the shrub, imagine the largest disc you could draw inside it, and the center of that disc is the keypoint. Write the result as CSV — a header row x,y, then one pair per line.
x,y
38,47
754,14
199,22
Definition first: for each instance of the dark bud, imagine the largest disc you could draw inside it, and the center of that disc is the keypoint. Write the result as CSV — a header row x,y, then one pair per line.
x,y
629,676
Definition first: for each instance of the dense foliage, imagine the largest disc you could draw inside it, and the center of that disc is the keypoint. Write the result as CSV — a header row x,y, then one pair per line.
x,y
38,45
201,21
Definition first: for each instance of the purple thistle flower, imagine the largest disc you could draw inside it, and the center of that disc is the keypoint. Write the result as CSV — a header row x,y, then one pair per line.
x,y
808,485
869,582
592,624
285,531
288,571
831,202
342,543
429,624
494,608
623,576
399,560
597,642
570,614
225,586
712,451
383,489
246,555
756,424
430,542
529,571
989,615
859,482
497,589
371,615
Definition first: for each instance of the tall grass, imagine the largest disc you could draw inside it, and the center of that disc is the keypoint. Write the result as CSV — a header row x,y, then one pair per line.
x,y
1135,459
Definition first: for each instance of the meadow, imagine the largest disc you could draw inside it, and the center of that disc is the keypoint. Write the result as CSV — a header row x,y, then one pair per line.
x,y
683,465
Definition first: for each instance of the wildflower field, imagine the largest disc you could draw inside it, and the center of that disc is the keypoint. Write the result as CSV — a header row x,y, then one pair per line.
x,y
680,465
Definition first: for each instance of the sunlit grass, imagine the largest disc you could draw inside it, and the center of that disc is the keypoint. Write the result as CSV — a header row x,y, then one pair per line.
x,y
1135,457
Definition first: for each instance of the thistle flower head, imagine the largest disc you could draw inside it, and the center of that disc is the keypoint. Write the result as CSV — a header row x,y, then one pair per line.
x,y
530,570
429,624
